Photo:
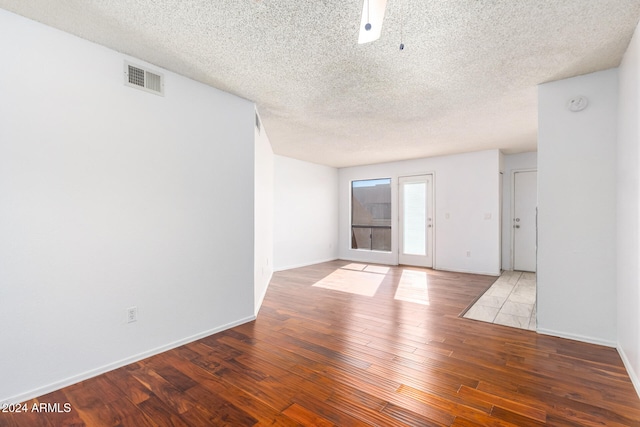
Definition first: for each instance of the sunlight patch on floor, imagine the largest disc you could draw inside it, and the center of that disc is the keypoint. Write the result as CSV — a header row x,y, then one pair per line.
x,y
376,269
354,280
413,287
354,266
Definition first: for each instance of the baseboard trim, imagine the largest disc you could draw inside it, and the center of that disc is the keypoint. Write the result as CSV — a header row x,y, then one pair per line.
x,y
577,337
454,270
629,367
306,264
458,270
40,391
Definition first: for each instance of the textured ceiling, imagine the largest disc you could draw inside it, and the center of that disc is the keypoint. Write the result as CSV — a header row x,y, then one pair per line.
x,y
466,80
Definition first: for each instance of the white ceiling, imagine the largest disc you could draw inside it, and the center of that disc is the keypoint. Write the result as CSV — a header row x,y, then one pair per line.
x,y
466,80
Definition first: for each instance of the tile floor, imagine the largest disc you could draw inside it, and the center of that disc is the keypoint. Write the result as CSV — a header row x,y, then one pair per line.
x,y
510,301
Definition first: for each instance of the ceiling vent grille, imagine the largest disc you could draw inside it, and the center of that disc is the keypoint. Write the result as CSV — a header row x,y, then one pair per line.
x,y
140,78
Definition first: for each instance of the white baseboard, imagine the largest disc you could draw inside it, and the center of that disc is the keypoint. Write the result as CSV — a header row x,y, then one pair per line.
x,y
454,270
577,337
633,375
458,270
40,391
306,264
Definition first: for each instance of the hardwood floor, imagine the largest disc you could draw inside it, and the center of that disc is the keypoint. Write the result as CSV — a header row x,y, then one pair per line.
x,y
318,356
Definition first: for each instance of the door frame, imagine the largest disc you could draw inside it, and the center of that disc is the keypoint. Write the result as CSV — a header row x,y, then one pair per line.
x,y
512,240
430,203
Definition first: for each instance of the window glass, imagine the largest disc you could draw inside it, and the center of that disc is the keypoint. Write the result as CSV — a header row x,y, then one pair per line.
x,y
371,214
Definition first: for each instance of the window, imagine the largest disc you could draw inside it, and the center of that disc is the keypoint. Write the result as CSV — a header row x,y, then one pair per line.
x,y
371,214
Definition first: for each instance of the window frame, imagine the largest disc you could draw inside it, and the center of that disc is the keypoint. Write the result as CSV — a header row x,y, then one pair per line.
x,y
387,237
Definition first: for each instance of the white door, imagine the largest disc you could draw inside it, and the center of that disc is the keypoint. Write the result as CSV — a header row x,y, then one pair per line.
x,y
524,220
416,220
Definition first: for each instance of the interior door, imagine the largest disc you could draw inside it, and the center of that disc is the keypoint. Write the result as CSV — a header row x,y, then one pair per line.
x,y
524,220
416,220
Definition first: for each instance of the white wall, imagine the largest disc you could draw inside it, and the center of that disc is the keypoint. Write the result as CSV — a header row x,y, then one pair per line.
x,y
263,242
512,163
306,213
628,184
577,209
466,188
111,197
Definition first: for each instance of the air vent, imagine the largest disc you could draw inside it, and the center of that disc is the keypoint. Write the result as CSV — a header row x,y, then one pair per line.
x,y
140,78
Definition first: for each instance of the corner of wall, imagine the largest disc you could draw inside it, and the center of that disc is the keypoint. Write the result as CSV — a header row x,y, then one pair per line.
x,y
628,208
577,166
263,213
631,370
305,213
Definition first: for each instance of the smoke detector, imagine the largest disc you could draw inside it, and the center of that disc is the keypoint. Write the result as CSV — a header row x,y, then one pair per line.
x,y
577,103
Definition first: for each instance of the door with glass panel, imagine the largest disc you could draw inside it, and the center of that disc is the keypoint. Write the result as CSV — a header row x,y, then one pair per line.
x,y
416,220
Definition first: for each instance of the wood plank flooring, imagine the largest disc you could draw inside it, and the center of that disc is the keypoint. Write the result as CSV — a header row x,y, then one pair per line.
x,y
323,357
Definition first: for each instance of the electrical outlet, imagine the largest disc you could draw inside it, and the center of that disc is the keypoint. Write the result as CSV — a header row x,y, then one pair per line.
x,y
132,314
468,254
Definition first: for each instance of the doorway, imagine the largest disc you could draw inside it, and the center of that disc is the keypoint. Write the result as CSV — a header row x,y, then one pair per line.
x,y
416,220
524,220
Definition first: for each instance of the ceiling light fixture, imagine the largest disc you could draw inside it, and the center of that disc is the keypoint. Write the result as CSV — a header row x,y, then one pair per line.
x,y
371,21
